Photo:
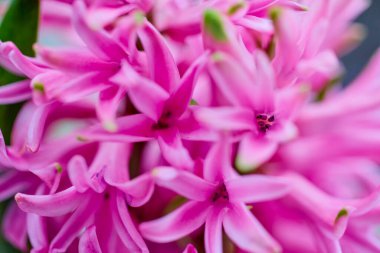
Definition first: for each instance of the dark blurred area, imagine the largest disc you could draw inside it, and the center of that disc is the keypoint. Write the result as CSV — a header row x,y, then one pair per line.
x,y
357,59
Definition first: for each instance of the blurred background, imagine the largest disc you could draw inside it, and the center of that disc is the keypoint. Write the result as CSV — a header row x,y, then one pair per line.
x,y
357,59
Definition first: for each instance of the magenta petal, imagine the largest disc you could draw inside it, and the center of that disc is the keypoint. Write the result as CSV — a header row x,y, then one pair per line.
x,y
184,183
177,224
13,226
15,92
190,249
75,224
247,232
124,225
50,205
254,151
181,97
213,230
88,242
256,188
160,60
12,182
97,40
173,150
108,106
138,191
217,165
148,97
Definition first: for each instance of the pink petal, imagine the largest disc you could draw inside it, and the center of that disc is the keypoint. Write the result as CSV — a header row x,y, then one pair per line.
x,y
254,151
125,227
226,118
160,60
247,232
13,226
148,97
77,171
50,205
62,59
138,191
108,106
177,224
15,92
37,232
213,231
181,97
98,41
23,63
88,242
12,182
190,249
173,150
183,183
132,128
217,165
234,81
75,224
256,188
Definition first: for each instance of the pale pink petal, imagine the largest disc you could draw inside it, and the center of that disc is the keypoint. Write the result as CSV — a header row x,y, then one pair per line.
x,y
256,188
160,60
124,225
15,92
173,150
213,230
183,183
234,81
247,232
37,232
88,242
226,118
63,202
97,40
177,224
254,151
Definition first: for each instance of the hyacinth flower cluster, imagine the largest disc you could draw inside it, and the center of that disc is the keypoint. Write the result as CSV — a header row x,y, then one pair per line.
x,y
171,126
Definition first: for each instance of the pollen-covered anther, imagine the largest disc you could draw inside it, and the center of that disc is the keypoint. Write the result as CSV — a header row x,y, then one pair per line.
x,y
264,122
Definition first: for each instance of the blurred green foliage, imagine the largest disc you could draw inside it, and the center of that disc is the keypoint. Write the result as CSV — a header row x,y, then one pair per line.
x,y
19,25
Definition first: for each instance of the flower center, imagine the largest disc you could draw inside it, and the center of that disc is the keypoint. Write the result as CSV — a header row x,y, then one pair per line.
x,y
165,121
220,193
264,122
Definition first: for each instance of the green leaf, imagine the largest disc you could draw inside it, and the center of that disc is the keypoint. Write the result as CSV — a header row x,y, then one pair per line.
x,y
19,25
